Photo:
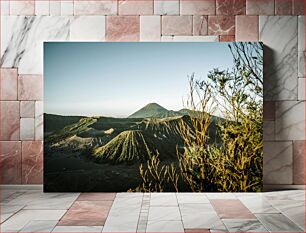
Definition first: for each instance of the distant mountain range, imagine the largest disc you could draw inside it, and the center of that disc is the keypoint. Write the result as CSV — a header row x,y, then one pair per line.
x,y
154,110
118,140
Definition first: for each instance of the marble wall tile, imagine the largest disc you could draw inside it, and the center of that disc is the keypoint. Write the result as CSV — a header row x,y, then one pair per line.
x,y
260,7
42,7
9,120
8,84
39,120
150,28
22,7
221,25
298,7
166,7
200,25
87,28
27,129
177,25
230,7
32,162
279,35
66,7
299,162
269,130
10,161
247,28
55,8
269,110
135,7
5,7
301,89
290,120
225,38
203,7
301,46
27,109
22,40
277,163
30,87
122,28
95,7
283,7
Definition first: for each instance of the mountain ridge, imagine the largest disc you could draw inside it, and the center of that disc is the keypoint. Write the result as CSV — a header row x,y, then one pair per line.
x,y
154,110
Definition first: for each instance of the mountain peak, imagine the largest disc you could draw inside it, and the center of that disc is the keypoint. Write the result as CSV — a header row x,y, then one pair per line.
x,y
151,110
154,105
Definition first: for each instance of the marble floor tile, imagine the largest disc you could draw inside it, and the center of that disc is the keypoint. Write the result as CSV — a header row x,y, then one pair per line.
x,y
197,230
278,223
129,195
96,197
163,199
205,217
298,195
4,194
123,220
39,200
85,229
126,202
294,210
8,210
258,205
220,195
165,213
23,217
192,198
90,213
232,209
237,225
15,194
39,226
165,226
124,214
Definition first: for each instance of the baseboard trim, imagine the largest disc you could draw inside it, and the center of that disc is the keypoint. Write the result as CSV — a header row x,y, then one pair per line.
x,y
21,187
278,187
266,188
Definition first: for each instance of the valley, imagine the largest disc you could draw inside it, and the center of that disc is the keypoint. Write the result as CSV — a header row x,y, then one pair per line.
x,y
107,151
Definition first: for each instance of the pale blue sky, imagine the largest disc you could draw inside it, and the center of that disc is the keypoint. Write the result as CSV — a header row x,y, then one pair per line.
x,y
117,79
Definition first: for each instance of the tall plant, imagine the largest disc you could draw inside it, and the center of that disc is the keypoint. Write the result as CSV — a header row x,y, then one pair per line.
x,y
230,159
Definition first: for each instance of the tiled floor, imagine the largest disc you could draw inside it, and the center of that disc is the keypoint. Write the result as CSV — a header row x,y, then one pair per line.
x,y
35,211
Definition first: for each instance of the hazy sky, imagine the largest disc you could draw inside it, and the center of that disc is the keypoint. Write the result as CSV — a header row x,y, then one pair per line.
x,y
117,79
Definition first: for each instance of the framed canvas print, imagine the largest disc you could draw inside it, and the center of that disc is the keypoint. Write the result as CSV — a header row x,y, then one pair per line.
x,y
153,117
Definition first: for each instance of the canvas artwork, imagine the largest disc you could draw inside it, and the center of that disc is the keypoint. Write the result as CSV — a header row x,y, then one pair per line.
x,y
153,117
